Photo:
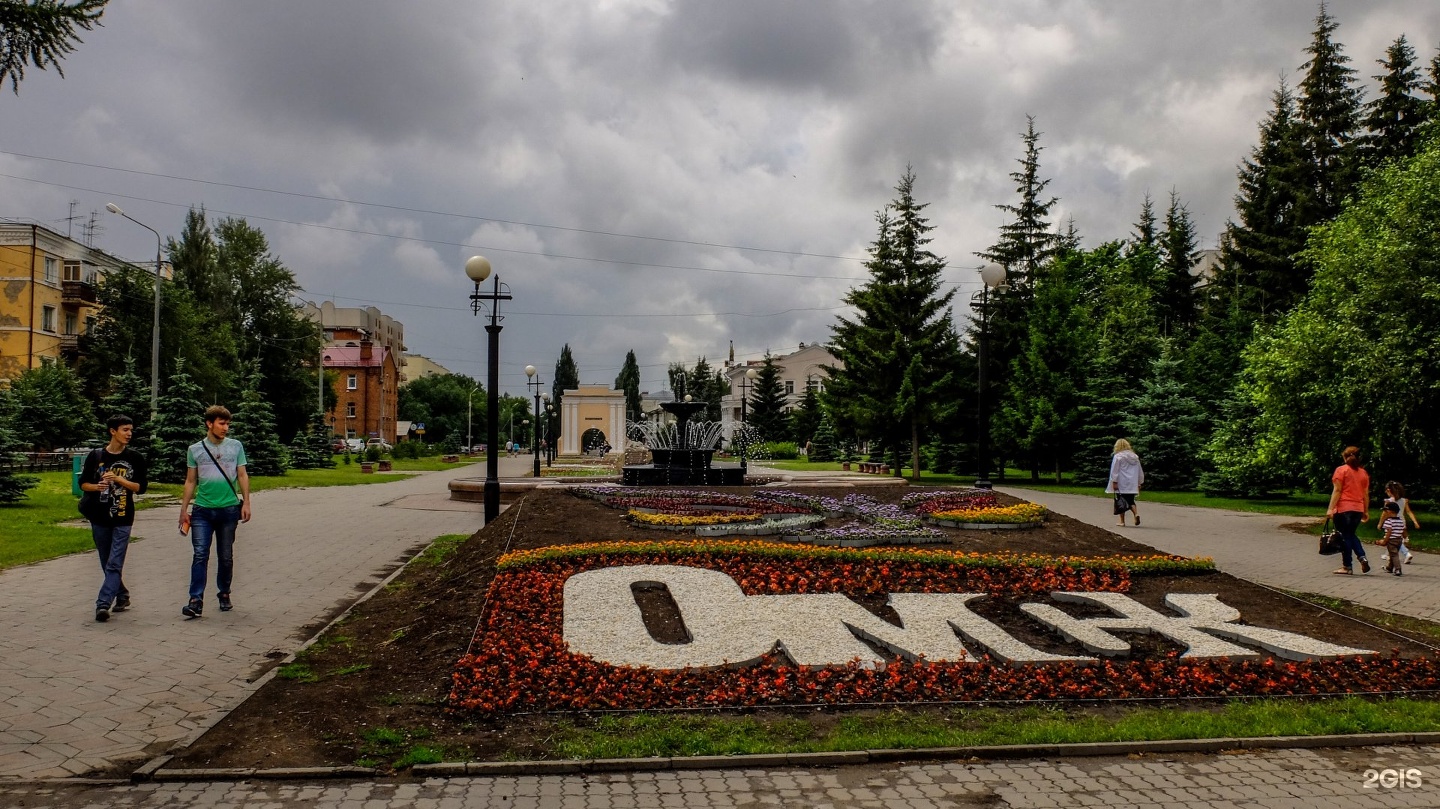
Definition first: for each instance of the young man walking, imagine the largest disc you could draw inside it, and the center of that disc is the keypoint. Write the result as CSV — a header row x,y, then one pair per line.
x,y
216,480
116,473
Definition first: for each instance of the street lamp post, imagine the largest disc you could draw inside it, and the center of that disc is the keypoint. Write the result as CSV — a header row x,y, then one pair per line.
x,y
155,329
747,381
478,269
533,381
549,445
993,276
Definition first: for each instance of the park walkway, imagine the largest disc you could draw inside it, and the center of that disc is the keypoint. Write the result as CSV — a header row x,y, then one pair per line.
x,y
1260,548
77,696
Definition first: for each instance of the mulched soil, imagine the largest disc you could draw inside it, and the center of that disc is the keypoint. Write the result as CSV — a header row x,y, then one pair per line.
x,y
405,641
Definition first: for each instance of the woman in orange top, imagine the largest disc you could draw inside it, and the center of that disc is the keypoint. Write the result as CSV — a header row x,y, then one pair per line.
x,y
1349,507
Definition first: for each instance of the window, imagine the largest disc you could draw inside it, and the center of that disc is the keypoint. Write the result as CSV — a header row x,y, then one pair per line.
x,y
90,324
72,271
72,320
813,384
350,432
789,387
351,383
350,410
51,270
47,319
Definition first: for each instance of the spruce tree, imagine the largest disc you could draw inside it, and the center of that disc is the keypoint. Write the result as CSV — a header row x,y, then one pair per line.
x,y
824,445
901,353
629,382
1393,120
1329,108
129,396
766,411
310,448
13,485
253,424
1040,409
179,423
1164,425
1175,297
1274,205
805,418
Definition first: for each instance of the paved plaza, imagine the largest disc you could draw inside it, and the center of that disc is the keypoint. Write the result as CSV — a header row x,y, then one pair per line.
x,y
80,697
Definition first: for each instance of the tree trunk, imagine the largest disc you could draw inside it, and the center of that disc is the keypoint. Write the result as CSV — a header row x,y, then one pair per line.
x,y
915,450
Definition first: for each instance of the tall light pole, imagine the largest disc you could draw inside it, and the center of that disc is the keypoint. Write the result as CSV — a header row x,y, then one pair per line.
x,y
549,445
533,381
478,269
747,380
155,330
993,276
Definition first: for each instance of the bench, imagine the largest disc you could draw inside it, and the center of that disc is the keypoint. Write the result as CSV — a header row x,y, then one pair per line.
x,y
874,468
450,459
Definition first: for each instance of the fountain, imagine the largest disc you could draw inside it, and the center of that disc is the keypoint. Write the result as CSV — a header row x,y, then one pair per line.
x,y
681,453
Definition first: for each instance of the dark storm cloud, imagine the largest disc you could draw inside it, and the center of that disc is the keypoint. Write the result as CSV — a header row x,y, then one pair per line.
x,y
801,46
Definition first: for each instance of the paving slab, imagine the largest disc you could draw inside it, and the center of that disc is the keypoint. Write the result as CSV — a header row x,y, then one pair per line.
x,y
1259,548
306,555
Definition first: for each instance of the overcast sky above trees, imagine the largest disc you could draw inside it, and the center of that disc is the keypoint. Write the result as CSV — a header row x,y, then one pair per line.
x,y
647,175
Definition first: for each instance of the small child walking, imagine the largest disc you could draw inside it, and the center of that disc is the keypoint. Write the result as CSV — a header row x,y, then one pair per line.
x,y
1392,529
1395,491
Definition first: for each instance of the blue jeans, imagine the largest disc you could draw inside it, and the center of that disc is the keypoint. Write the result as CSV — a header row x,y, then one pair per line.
x,y
217,524
1346,522
111,541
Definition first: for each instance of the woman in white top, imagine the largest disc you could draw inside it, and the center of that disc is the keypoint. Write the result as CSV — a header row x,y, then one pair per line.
x,y
1126,478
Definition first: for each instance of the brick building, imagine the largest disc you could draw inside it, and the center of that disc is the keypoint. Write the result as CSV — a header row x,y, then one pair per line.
x,y
366,382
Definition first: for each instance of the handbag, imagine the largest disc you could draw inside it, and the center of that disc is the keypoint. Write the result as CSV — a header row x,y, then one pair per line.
x,y
1330,541
1121,505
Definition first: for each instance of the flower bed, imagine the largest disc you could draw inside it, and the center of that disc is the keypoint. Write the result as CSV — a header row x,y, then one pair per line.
x,y
521,662
1018,514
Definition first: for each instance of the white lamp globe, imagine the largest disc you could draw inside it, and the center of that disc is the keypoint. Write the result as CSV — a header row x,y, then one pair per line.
x,y
478,268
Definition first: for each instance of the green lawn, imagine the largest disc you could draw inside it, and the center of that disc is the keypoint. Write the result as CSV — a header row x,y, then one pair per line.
x,y
661,734
30,531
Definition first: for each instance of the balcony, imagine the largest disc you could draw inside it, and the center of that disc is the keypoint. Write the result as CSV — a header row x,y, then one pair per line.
x,y
69,345
77,292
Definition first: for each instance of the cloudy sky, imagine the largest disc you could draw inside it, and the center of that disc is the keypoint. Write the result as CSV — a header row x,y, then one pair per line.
x,y
666,177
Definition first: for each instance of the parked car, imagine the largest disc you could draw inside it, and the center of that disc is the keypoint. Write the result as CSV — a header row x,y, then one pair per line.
x,y
355,444
379,442
337,445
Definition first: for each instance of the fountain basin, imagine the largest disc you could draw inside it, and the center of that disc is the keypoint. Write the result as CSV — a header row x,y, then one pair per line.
x,y
681,475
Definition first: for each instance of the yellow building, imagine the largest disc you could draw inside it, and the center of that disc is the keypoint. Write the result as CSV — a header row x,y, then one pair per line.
x,y
47,295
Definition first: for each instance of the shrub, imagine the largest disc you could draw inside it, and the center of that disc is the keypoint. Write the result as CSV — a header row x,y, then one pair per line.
x,y
782,450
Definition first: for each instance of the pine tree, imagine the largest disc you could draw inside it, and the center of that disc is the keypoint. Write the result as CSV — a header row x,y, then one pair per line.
x,y
1329,107
12,484
567,377
1143,250
310,449
629,382
129,396
1175,297
1164,426
41,33
766,411
253,424
179,423
1393,120
901,353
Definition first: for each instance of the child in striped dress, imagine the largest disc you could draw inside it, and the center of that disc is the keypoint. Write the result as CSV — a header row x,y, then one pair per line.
x,y
1392,529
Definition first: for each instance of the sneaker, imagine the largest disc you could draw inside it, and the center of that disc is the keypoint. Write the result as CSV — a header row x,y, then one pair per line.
x,y
1364,566
1137,519
121,604
1409,557
101,614
225,605
193,609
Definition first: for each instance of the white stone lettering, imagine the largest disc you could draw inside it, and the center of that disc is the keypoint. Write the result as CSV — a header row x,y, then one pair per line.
x,y
602,619
1204,617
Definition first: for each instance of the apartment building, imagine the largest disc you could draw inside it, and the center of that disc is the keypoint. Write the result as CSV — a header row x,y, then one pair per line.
x,y
799,370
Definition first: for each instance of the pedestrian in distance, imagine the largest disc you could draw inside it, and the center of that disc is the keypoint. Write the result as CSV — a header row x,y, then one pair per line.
x,y
113,473
1126,478
1350,508
1395,492
215,478
1392,535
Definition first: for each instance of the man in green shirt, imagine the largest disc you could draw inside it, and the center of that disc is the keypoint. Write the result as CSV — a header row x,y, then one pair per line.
x,y
218,483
